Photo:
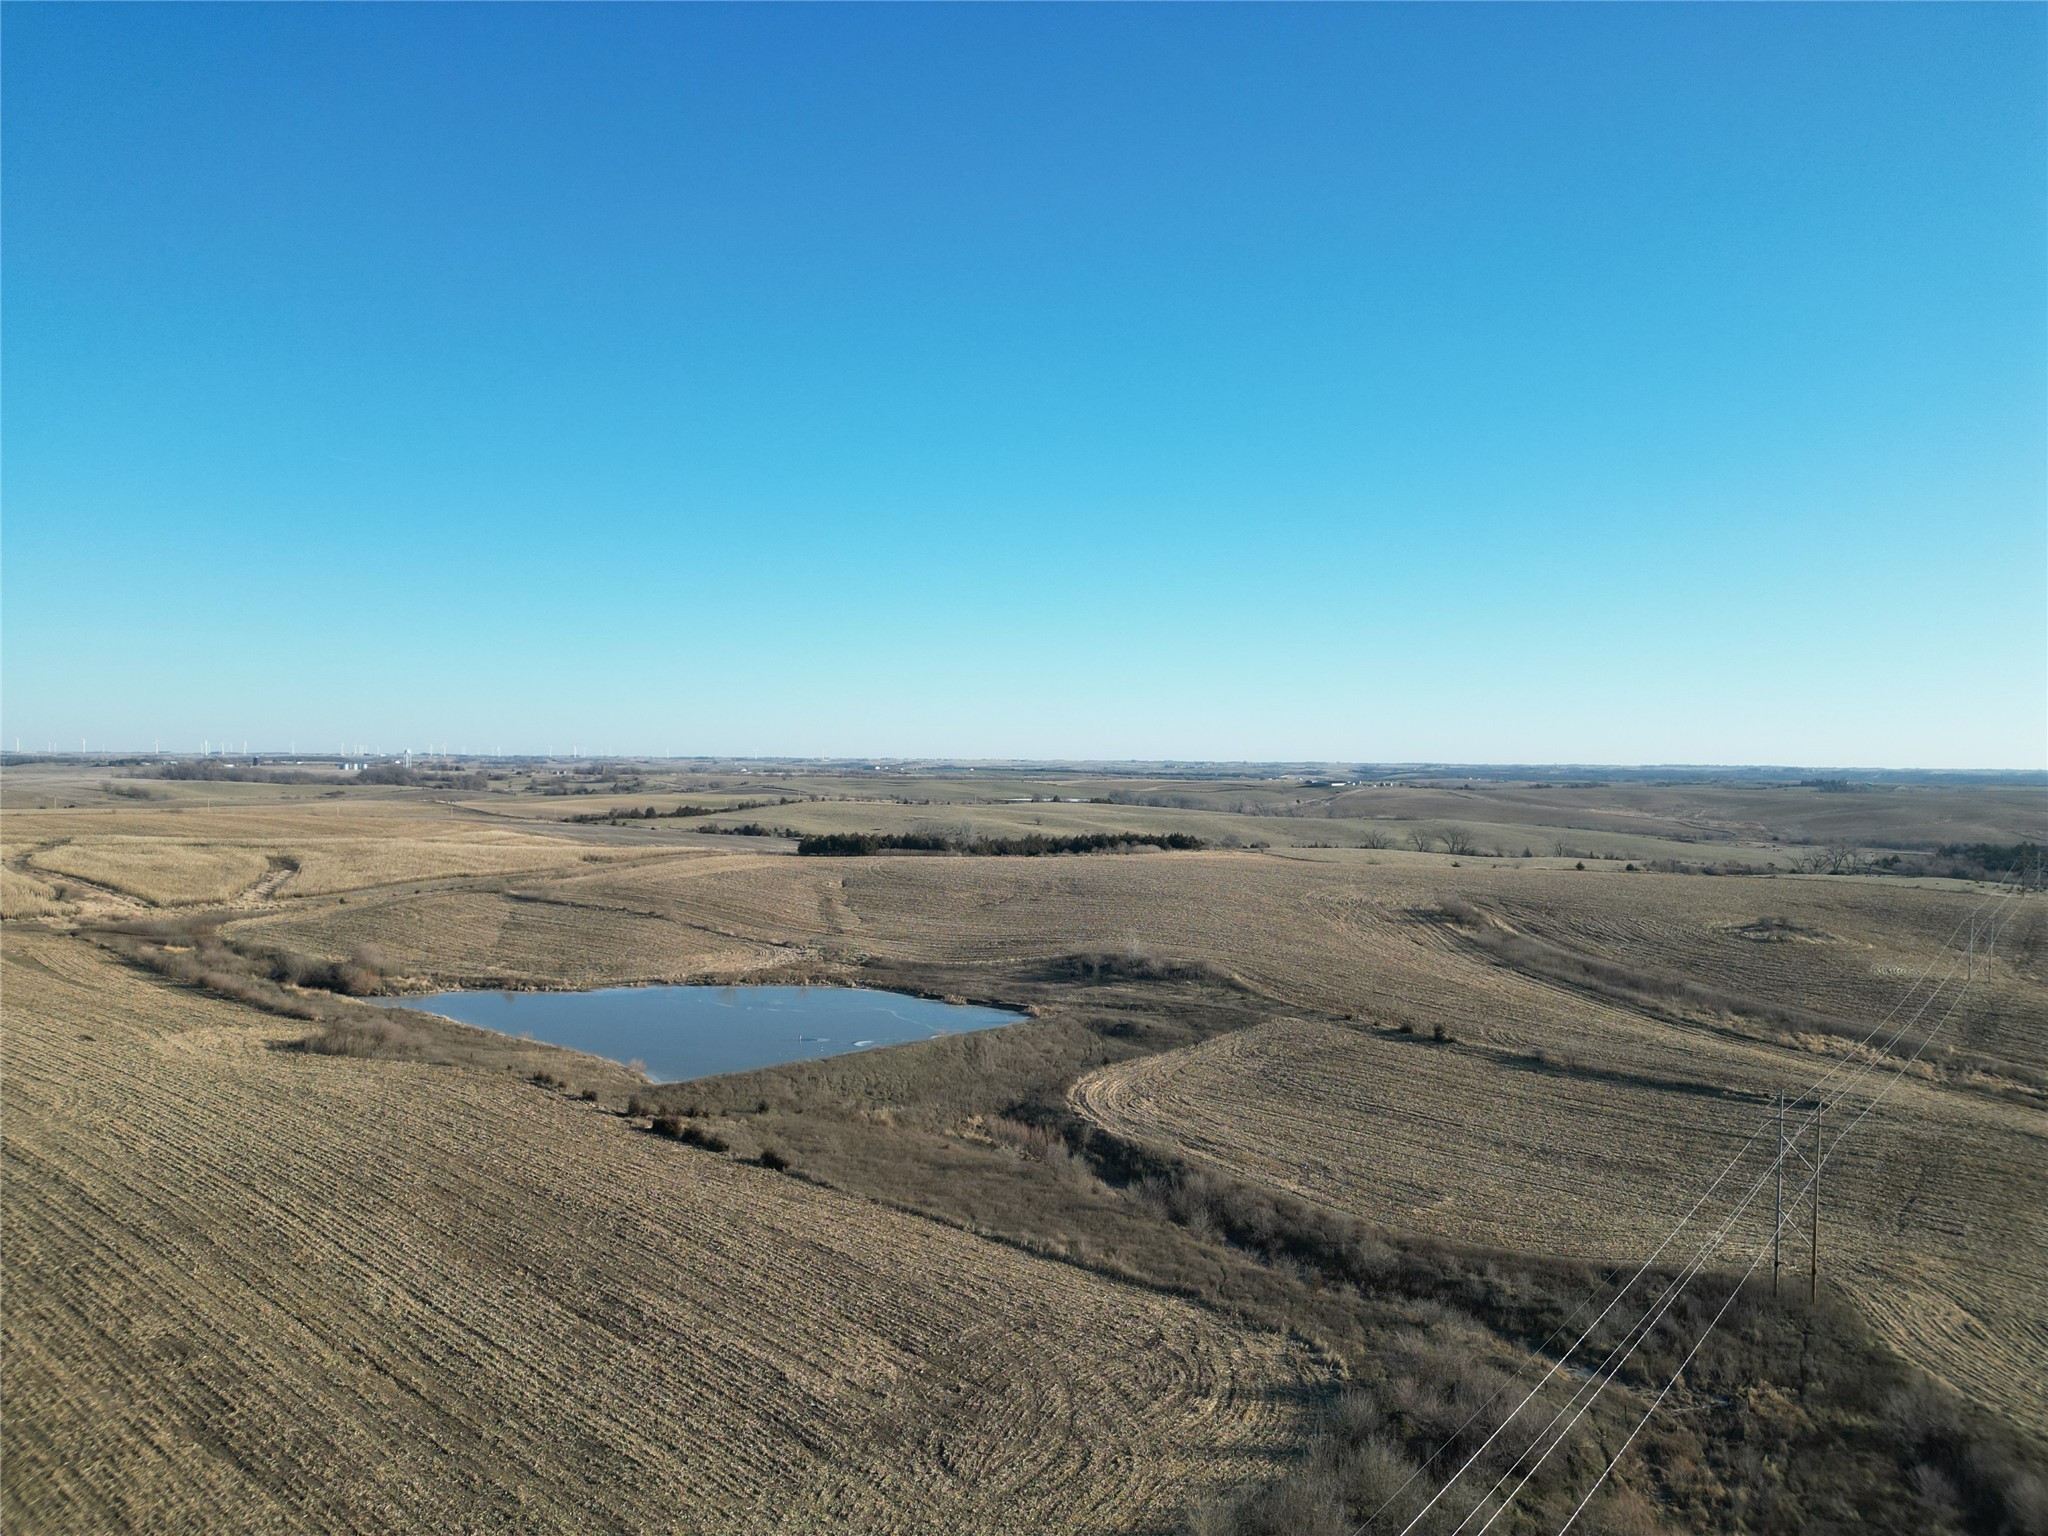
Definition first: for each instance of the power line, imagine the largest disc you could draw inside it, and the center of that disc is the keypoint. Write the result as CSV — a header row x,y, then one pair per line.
x,y
1812,1090
1812,1183
1559,1427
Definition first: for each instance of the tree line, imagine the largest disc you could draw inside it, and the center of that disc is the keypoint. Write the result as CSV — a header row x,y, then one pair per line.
x,y
1029,845
654,813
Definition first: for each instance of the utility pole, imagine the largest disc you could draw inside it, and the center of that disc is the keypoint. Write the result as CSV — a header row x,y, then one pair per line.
x,y
1813,1261
1778,1226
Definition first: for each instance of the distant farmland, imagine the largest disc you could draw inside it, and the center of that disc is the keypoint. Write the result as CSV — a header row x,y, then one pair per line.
x,y
1336,1114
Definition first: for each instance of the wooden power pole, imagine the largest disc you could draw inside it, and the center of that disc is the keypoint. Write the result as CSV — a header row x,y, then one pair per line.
x,y
1778,1226
1813,1258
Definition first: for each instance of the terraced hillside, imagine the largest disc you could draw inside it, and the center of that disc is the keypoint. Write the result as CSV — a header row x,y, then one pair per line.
x,y
256,1290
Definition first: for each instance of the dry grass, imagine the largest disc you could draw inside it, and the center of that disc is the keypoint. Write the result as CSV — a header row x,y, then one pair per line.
x,y
348,864
23,895
160,870
562,937
253,1289
1341,932
191,852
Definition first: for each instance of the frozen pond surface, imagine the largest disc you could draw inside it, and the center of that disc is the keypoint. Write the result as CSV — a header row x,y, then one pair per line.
x,y
686,1032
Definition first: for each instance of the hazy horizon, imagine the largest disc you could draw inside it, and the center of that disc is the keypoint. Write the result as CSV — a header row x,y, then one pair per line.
x,y
740,761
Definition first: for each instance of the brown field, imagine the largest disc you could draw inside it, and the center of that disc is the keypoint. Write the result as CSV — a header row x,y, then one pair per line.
x,y
1924,1209
1320,930
255,1289
1306,1106
25,895
337,1293
159,870
212,857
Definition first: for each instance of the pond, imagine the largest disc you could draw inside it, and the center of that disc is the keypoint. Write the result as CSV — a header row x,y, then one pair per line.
x,y
685,1032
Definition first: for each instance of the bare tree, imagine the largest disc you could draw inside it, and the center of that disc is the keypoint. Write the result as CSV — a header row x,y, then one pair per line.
x,y
1458,841
1838,857
1375,837
1421,840
1844,857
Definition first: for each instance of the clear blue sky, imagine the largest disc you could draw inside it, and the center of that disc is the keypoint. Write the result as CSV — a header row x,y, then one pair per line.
x,y
1628,384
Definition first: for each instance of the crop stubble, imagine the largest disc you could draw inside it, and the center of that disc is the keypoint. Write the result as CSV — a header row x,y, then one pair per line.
x,y
1933,1218
280,1292
1553,1120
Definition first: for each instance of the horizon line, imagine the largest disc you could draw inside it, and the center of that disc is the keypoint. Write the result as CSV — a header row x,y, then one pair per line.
x,y
115,756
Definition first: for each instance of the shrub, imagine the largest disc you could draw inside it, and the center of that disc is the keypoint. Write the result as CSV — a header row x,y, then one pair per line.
x,y
211,770
1041,1144
695,1135
358,976
772,1159
371,1035
1135,964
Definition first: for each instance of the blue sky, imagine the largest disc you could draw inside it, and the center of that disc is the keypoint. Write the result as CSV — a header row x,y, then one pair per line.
x,y
1625,384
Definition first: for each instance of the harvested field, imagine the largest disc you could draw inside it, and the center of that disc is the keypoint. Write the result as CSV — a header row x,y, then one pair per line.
x,y
300,861
1933,1198
1794,960
253,1288
160,870
563,934
23,895
347,864
1339,933
365,1293
209,857
1843,950
1343,931
1706,814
